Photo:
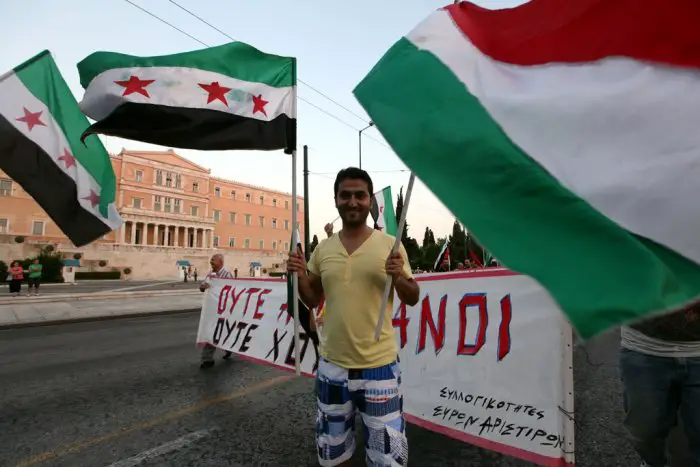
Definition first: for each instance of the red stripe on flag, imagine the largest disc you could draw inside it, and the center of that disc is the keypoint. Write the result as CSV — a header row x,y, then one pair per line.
x,y
574,31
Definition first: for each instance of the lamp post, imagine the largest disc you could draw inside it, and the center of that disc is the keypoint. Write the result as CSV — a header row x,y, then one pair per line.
x,y
371,124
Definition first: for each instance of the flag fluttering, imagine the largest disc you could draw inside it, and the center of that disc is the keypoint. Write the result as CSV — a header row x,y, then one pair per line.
x,y
560,130
40,149
444,256
382,211
231,96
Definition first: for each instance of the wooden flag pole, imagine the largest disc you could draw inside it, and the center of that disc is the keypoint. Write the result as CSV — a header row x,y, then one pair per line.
x,y
399,234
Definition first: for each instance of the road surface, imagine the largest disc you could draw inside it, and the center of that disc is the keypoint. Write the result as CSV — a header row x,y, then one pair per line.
x,y
93,286
129,392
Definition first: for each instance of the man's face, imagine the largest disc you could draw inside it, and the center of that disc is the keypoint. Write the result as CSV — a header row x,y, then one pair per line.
x,y
353,202
215,263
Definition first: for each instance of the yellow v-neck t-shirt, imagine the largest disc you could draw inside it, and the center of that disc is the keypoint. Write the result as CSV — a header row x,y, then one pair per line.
x,y
353,286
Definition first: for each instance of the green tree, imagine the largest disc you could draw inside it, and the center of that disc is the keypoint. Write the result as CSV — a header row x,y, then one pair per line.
x,y
410,244
428,238
457,243
475,247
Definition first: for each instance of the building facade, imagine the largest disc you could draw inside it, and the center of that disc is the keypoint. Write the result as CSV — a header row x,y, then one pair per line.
x,y
173,209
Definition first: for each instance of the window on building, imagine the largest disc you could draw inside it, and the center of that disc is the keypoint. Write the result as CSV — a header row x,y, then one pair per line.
x,y
261,244
286,204
286,246
157,203
168,179
286,225
4,223
261,219
297,206
139,176
5,187
168,204
177,207
159,177
194,210
274,223
217,215
232,217
246,243
217,192
262,200
195,187
216,241
233,194
274,245
232,242
178,181
274,202
37,227
247,197
248,219
137,203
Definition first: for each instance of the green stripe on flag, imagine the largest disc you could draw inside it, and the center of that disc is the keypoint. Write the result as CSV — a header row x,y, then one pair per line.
x,y
43,79
523,215
237,60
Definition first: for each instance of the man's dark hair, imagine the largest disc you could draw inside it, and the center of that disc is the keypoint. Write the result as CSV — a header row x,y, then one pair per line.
x,y
353,173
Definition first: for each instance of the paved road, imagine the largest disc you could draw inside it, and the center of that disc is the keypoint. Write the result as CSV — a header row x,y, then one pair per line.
x,y
129,391
112,286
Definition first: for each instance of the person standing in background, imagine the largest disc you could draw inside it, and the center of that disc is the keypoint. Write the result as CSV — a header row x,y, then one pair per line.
x,y
34,280
16,275
196,273
217,271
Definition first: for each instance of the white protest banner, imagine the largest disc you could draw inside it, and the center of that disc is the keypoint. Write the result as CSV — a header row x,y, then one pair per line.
x,y
485,356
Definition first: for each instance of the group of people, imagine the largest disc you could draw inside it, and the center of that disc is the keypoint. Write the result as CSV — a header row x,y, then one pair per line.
x,y
659,359
16,276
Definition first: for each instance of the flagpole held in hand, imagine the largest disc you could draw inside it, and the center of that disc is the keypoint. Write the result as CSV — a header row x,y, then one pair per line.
x,y
295,276
399,234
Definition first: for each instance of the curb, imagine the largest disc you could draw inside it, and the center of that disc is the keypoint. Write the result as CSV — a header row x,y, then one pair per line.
x,y
22,300
58,322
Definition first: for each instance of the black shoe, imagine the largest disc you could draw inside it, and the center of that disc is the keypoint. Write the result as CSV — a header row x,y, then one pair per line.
x,y
227,355
207,364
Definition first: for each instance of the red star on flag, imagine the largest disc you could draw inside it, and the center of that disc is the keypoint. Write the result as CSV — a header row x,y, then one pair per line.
x,y
68,159
93,198
259,104
135,85
31,118
216,92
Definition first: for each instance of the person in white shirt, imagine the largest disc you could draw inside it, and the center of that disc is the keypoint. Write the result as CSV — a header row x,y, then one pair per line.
x,y
217,271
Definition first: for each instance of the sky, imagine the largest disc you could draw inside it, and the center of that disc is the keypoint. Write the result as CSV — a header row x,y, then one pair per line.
x,y
336,44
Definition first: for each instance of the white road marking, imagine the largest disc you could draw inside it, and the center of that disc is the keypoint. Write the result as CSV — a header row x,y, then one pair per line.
x,y
162,449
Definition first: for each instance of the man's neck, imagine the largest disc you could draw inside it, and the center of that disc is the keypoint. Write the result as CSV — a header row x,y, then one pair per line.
x,y
355,232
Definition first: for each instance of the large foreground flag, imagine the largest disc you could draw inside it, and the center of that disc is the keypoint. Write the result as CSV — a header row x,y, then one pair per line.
x,y
382,211
40,149
228,97
565,135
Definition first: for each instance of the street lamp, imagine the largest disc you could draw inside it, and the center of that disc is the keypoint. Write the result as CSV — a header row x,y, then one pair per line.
x,y
371,124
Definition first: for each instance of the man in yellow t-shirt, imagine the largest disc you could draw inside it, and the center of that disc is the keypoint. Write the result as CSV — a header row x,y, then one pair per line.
x,y
355,372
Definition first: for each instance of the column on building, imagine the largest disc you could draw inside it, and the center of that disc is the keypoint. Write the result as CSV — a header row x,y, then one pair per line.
x,y
133,232
176,234
122,233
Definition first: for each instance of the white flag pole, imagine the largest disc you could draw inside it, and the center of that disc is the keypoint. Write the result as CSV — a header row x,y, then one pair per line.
x,y
399,234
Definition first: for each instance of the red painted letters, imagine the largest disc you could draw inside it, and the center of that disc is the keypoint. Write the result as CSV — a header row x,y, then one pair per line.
x,y
426,321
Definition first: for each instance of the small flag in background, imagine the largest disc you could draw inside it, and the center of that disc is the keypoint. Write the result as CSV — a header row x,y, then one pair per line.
x,y
442,257
228,97
40,149
560,130
304,313
382,210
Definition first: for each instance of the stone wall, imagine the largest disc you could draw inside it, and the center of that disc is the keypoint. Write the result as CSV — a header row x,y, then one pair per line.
x,y
145,262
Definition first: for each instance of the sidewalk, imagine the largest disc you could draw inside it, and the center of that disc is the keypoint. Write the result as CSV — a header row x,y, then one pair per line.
x,y
30,311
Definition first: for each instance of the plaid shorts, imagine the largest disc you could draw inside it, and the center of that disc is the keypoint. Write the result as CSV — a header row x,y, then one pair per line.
x,y
376,394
